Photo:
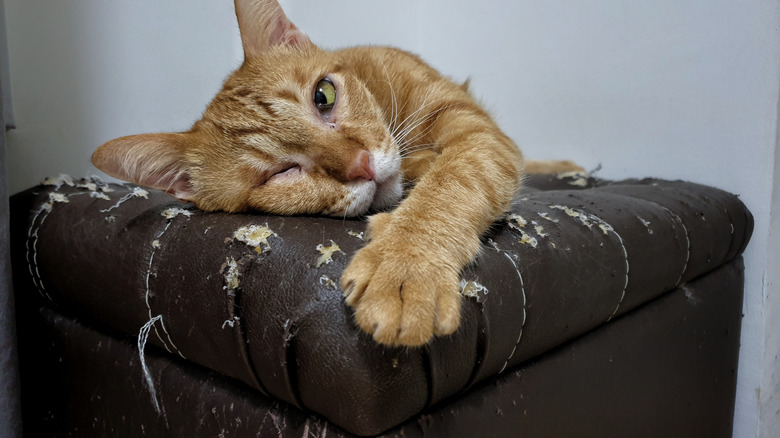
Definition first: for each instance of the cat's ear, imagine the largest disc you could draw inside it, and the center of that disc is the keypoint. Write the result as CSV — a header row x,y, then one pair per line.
x,y
263,25
150,160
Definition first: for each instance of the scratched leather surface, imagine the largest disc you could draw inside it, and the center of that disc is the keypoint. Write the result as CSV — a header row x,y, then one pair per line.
x,y
263,306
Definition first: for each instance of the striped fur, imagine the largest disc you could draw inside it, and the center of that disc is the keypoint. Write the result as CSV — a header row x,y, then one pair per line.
x,y
262,144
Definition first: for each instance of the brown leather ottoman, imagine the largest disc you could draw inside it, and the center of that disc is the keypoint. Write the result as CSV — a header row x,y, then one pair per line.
x,y
595,309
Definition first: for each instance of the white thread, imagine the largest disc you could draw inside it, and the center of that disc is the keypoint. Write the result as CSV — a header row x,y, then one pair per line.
x,y
677,217
318,430
306,429
608,228
32,234
230,322
143,335
586,220
32,256
148,288
522,291
687,243
169,215
137,192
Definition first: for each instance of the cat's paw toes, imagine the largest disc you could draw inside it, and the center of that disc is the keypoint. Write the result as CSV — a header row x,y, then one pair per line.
x,y
401,302
355,279
408,314
448,317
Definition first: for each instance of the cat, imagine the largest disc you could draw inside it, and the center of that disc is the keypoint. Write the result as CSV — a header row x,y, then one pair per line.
x,y
300,130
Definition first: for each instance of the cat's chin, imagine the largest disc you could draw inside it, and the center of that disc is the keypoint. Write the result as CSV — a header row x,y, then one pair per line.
x,y
373,196
388,193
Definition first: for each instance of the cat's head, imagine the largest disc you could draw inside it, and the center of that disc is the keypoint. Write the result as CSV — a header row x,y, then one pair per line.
x,y
292,131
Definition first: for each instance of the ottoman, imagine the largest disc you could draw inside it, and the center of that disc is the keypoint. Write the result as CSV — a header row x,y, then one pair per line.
x,y
596,308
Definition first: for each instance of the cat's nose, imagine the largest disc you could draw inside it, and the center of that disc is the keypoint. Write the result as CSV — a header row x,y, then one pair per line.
x,y
361,167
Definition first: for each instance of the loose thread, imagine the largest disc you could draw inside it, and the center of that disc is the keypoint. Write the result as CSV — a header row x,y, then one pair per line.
x,y
31,245
143,335
168,214
679,220
525,303
137,192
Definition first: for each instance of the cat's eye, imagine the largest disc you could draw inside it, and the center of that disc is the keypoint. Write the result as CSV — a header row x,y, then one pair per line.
x,y
325,95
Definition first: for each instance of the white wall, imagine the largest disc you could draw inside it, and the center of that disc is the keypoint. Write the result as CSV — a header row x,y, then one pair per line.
x,y
674,89
660,88
769,395
85,71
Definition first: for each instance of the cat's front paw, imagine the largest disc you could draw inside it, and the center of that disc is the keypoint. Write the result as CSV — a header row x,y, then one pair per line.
x,y
402,294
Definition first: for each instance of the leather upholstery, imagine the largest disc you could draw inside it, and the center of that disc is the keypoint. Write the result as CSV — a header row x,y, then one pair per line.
x,y
666,369
255,297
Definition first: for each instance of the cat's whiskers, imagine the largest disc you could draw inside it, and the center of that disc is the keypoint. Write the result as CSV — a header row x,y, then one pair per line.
x,y
394,110
416,123
417,148
403,129
425,131
393,100
407,145
397,128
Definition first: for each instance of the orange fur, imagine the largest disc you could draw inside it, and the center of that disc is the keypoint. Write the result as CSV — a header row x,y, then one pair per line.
x,y
263,144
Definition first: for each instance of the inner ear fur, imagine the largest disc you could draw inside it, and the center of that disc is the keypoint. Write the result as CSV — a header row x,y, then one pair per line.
x,y
150,160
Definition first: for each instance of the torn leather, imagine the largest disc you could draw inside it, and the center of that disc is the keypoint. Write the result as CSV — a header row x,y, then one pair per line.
x,y
251,296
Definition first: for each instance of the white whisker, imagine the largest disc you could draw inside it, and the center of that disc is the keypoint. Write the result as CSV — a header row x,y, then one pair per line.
x,y
417,148
427,129
403,130
405,143
393,101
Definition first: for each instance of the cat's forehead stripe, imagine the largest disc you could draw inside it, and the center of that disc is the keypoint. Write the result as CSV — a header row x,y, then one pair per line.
x,y
287,94
267,106
242,92
246,131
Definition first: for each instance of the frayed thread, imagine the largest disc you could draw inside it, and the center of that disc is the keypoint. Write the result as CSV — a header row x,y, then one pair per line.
x,y
143,335
137,192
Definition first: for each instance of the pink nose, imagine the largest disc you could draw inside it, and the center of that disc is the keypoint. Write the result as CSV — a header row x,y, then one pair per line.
x,y
361,167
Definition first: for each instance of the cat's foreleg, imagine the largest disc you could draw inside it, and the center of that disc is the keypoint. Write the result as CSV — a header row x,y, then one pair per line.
x,y
404,284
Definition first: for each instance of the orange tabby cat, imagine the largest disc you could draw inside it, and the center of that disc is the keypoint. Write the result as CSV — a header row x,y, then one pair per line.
x,y
297,129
